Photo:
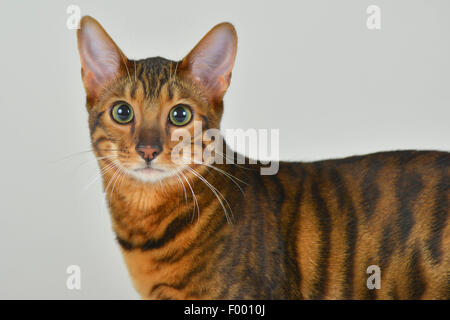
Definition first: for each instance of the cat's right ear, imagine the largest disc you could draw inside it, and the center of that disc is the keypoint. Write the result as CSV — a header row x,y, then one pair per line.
x,y
101,59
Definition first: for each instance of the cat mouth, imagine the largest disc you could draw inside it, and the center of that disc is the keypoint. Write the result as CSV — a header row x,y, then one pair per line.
x,y
149,173
148,170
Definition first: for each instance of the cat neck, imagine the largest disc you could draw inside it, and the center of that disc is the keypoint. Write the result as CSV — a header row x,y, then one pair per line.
x,y
141,212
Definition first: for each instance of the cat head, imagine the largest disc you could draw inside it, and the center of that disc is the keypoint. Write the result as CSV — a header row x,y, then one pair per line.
x,y
136,106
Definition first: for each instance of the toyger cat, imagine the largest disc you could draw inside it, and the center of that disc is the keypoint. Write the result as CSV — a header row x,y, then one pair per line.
x,y
308,232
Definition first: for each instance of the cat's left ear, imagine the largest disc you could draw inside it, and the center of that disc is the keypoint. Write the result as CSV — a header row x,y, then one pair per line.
x,y
211,61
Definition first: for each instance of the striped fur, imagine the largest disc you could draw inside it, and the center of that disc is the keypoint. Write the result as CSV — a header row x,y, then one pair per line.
x,y
308,232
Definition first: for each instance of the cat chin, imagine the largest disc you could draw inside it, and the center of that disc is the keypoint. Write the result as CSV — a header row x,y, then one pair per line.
x,y
149,175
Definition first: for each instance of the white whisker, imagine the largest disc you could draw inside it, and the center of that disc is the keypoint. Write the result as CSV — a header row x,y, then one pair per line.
x,y
216,192
228,175
103,171
194,199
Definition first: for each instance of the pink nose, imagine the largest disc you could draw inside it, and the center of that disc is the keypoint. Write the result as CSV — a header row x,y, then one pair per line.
x,y
148,153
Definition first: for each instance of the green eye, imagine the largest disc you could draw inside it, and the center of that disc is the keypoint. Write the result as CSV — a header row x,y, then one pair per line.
x,y
180,115
122,113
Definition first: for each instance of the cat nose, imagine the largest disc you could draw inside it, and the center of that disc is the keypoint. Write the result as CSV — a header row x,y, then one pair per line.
x,y
148,153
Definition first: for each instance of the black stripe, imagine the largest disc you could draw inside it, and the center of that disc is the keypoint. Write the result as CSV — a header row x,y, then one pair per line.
x,y
133,128
173,229
324,224
293,222
96,122
141,71
180,285
165,75
393,292
101,139
408,188
170,91
134,85
439,218
286,287
369,188
143,80
124,244
205,119
161,296
442,162
346,206
386,248
133,90
416,284
178,224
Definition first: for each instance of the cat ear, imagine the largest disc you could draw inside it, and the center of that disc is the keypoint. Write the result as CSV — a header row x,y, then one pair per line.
x,y
101,59
211,61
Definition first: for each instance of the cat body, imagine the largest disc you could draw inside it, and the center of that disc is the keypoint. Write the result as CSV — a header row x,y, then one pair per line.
x,y
224,231
311,231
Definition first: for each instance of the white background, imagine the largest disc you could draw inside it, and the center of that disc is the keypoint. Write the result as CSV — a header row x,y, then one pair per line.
x,y
309,68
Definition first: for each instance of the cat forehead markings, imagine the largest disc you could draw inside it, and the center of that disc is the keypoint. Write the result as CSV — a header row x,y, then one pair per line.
x,y
152,74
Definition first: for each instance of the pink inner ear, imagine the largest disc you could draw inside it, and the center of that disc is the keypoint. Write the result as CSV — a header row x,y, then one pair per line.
x,y
214,60
211,61
100,57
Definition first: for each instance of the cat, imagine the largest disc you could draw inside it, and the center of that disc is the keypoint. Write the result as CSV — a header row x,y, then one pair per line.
x,y
225,231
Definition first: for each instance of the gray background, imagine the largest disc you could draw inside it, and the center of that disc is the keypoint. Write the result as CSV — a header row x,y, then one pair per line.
x,y
310,68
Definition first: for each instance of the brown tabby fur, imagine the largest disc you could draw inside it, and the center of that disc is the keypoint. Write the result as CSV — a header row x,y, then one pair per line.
x,y
308,232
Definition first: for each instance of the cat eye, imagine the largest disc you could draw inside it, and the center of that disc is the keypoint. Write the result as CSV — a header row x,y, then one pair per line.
x,y
122,113
180,115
